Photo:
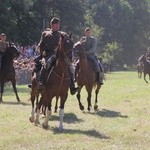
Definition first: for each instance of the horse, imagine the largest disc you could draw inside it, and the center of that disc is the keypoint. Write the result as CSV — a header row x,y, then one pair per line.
x,y
86,77
58,81
34,96
7,71
140,67
146,69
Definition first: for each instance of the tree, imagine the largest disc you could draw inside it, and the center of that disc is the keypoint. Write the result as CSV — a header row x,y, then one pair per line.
x,y
125,22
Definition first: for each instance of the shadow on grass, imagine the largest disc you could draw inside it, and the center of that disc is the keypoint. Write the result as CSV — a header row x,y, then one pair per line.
x,y
109,114
90,133
68,118
15,103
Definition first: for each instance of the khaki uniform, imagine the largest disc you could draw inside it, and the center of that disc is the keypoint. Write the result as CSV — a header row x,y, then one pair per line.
x,y
3,46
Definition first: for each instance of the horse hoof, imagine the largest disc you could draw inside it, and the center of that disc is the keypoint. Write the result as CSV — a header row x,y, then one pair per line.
x,y
31,119
1,100
45,126
37,122
18,100
81,108
96,107
61,128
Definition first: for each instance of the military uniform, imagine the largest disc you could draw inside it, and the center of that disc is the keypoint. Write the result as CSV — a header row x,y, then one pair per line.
x,y
48,49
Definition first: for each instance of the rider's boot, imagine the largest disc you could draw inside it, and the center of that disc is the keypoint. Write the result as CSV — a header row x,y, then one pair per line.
x,y
41,85
99,79
73,89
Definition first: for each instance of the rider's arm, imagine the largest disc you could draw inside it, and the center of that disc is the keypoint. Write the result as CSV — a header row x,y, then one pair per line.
x,y
41,44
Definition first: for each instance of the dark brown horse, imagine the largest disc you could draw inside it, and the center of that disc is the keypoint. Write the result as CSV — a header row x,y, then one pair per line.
x,y
7,71
146,63
58,81
86,77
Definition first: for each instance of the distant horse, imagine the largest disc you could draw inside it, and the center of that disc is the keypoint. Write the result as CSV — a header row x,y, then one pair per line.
x,y
86,77
7,71
146,66
58,81
140,69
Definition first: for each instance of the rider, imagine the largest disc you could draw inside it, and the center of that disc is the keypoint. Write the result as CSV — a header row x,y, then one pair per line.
x,y
3,46
90,47
48,47
148,54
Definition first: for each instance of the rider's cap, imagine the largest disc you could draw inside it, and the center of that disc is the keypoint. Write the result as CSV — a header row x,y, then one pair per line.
x,y
55,20
3,34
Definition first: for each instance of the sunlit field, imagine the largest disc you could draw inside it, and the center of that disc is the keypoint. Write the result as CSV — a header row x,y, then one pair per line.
x,y
121,123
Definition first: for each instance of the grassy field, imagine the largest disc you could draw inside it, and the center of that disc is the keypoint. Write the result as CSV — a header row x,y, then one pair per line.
x,y
121,123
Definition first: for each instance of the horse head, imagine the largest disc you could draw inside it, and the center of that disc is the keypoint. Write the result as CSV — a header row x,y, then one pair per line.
x,y
66,47
12,50
80,48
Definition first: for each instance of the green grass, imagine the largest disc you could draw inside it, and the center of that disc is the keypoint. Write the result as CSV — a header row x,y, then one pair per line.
x,y
121,123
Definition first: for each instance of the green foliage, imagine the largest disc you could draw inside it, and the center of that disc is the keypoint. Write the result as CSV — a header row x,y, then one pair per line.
x,y
125,22
112,53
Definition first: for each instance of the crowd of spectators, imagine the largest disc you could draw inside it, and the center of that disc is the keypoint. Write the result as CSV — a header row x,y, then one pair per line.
x,y
25,64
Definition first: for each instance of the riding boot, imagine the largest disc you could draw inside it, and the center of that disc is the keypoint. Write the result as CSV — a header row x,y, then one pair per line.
x,y
73,89
41,85
46,70
99,79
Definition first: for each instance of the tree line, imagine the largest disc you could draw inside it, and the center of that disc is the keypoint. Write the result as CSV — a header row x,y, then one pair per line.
x,y
121,26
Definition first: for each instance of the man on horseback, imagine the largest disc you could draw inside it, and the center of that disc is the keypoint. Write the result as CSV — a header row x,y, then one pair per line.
x,y
48,52
3,46
148,54
90,48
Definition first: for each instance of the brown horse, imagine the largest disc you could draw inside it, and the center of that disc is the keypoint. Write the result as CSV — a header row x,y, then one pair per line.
x,y
86,77
7,71
58,81
146,63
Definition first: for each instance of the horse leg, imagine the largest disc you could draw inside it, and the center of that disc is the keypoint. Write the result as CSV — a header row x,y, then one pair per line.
x,y
37,100
140,75
56,106
31,118
48,114
89,101
96,95
79,101
145,78
38,107
13,82
61,111
2,91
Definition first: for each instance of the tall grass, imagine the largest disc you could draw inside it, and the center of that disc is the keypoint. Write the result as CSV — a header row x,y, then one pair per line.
x,y
121,123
